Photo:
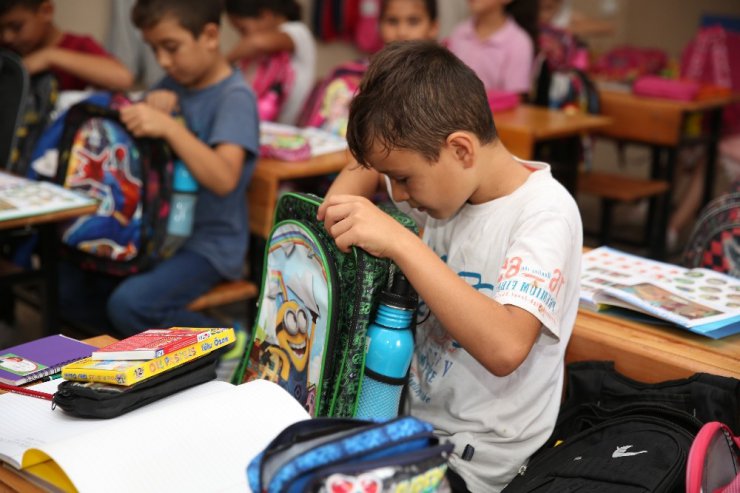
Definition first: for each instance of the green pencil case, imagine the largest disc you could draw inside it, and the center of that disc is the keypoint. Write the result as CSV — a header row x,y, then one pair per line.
x,y
102,400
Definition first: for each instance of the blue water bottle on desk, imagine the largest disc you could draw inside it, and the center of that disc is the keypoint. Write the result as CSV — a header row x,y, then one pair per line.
x,y
389,351
182,208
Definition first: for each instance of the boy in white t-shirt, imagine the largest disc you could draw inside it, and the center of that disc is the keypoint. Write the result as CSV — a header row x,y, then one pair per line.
x,y
497,268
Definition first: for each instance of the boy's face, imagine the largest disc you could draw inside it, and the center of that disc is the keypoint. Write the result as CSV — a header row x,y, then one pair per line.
x,y
406,20
24,30
246,26
185,58
440,189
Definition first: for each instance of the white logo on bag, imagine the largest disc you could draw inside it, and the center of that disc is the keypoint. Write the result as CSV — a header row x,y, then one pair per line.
x,y
622,452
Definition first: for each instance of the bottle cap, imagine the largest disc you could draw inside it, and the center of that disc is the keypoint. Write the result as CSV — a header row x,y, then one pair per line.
x,y
183,181
400,293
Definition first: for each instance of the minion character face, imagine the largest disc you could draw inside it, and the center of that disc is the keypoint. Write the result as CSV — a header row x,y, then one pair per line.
x,y
292,333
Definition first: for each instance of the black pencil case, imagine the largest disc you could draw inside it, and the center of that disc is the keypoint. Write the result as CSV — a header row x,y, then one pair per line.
x,y
102,400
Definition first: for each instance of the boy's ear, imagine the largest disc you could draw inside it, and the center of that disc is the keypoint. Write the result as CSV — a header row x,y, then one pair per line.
x,y
210,35
434,30
463,148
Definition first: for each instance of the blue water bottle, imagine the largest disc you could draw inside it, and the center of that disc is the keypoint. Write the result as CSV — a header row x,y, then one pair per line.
x,y
389,351
182,210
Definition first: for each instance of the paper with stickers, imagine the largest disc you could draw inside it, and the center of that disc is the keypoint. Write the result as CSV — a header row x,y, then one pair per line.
x,y
700,300
20,197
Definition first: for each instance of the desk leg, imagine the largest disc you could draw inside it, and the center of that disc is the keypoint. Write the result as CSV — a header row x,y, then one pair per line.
x,y
563,155
48,251
715,127
663,203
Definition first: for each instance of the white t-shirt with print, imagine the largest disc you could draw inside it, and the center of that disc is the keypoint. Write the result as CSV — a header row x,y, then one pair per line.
x,y
304,68
523,249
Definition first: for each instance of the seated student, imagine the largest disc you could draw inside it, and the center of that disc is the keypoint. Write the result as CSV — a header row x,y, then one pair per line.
x,y
498,45
27,28
219,148
498,266
277,54
399,20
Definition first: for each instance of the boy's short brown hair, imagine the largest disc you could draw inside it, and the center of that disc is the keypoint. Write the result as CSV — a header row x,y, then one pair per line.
x,y
412,97
7,5
192,15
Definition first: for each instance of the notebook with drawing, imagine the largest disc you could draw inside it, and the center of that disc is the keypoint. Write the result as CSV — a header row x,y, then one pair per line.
x,y
36,359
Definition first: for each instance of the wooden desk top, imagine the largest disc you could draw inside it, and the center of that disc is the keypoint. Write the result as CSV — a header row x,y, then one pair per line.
x,y
522,127
651,353
21,222
651,120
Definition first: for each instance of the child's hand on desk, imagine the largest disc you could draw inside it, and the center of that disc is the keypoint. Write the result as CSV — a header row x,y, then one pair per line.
x,y
355,221
144,120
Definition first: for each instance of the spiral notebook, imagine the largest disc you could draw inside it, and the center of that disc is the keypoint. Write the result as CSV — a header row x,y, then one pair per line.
x,y
37,359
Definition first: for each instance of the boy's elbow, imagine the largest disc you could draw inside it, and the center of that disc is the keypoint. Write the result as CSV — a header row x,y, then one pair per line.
x,y
506,362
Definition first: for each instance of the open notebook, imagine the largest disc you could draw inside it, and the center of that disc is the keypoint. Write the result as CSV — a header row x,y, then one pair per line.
x,y
198,440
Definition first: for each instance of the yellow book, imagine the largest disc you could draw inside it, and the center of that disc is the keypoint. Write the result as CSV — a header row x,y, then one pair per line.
x,y
129,372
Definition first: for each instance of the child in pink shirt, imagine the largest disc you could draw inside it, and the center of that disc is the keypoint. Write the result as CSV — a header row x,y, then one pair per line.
x,y
498,49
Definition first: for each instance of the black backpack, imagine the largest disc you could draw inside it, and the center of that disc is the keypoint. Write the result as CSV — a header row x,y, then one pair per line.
x,y
13,90
615,434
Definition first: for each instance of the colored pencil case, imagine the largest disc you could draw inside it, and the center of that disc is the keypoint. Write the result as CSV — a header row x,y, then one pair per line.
x,y
342,454
660,87
101,400
502,100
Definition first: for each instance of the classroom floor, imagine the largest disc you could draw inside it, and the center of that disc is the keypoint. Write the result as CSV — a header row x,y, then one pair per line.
x,y
626,221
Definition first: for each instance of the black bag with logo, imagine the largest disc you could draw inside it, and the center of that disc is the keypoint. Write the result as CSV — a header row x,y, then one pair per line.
x,y
615,434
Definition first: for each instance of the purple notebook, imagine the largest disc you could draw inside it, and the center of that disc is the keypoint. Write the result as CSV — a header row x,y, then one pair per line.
x,y
36,359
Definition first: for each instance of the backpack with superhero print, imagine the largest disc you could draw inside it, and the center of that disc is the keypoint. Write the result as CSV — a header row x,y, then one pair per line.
x,y
132,180
315,306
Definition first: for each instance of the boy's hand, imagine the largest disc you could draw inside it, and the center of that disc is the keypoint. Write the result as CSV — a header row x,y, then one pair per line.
x,y
163,100
143,120
38,61
354,221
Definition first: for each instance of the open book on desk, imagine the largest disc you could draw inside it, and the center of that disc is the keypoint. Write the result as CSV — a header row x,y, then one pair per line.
x,y
20,197
699,300
198,440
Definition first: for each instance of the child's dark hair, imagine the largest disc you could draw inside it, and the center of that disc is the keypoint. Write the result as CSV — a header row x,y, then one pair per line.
x,y
290,9
193,15
526,14
429,5
7,5
412,97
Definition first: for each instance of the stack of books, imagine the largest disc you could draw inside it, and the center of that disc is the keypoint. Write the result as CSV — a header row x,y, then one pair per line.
x,y
149,353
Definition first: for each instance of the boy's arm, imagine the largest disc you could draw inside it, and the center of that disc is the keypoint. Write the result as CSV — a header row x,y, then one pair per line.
x,y
218,169
253,45
98,70
356,180
498,336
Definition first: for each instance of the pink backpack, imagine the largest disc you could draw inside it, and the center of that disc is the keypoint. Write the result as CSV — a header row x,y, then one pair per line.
x,y
273,81
328,105
713,465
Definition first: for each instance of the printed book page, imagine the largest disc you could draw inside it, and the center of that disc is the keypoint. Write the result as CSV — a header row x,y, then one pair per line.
x,y
20,197
320,141
689,298
198,440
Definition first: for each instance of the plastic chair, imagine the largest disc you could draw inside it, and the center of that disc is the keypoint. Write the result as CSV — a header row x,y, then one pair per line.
x,y
13,91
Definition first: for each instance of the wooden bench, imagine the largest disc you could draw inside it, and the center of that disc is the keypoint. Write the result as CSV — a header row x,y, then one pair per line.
x,y
225,293
612,188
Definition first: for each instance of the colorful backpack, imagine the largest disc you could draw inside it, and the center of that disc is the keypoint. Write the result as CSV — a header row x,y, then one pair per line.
x,y
715,241
131,178
714,460
328,105
273,80
314,309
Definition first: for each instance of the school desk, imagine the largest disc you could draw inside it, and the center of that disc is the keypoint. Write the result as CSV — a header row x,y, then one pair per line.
x,y
665,126
553,136
650,353
46,224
